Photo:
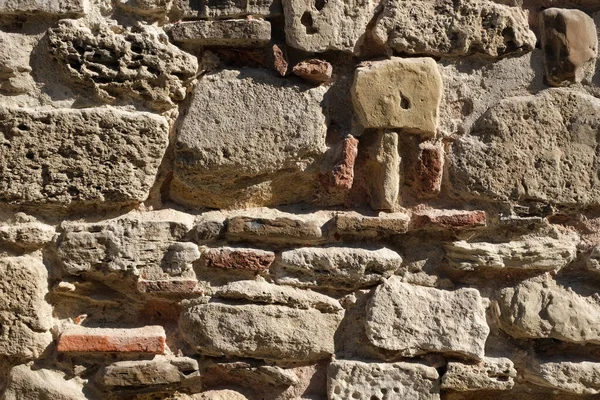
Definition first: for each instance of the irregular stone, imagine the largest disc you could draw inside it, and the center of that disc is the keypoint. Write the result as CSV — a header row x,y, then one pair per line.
x,y
275,229
238,258
540,308
593,261
25,383
192,9
415,320
28,236
541,148
383,166
341,174
282,132
93,155
154,8
79,339
136,63
491,374
429,170
168,286
335,267
454,28
314,70
330,25
400,380
259,331
206,230
25,317
570,45
230,32
447,219
381,226
15,72
224,394
574,377
142,373
263,292
55,7
532,253
279,60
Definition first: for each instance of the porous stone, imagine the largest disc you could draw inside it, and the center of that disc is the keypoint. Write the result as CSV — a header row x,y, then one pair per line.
x,y
436,219
415,320
154,8
168,286
490,374
383,166
401,93
282,128
25,383
238,258
79,339
335,267
330,25
142,373
190,9
54,7
381,226
136,63
259,331
581,377
230,32
454,28
541,148
570,45
15,71
314,70
88,156
26,236
367,380
540,308
277,229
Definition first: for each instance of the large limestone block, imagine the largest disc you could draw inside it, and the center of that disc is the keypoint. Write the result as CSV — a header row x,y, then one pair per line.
x,y
25,383
542,148
400,380
491,374
399,93
540,308
252,144
318,26
93,155
570,45
581,377
259,331
415,320
57,7
454,28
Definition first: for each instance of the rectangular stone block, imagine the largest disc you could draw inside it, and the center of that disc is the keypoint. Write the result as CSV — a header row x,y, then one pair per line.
x,y
191,9
57,7
447,219
276,229
238,258
79,339
352,224
231,32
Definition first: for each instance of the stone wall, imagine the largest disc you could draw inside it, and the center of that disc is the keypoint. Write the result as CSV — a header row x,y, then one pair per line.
x,y
298,199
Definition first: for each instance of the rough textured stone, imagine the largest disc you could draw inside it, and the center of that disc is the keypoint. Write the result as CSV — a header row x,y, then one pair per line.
x,y
259,331
330,25
168,286
428,170
138,63
541,148
400,93
230,32
227,9
276,229
56,7
570,45
27,236
142,373
383,166
78,339
574,377
225,394
335,267
85,156
15,71
446,219
25,383
415,320
491,374
341,175
401,380
454,28
283,134
381,226
238,258
155,8
314,70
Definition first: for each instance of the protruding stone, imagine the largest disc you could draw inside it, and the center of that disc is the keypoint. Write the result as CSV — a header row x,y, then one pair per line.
x,y
383,166
566,376
399,93
142,373
401,380
78,339
230,32
435,219
55,7
314,70
335,267
25,383
26,236
416,320
153,8
193,9
275,230
491,374
570,45
238,258
280,63
384,225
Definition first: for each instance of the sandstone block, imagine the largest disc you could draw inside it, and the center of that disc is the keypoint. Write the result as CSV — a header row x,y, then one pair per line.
x,y
55,7
142,373
454,29
331,25
191,9
573,377
381,226
238,258
264,156
415,320
283,229
168,286
68,156
401,93
400,380
78,339
230,32
154,8
491,374
383,166
570,45
314,70
447,219
25,383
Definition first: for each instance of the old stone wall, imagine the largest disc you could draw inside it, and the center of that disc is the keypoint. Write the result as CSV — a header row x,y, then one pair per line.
x,y
299,199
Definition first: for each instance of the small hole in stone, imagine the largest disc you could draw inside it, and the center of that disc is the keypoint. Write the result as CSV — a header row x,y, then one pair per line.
x,y
337,390
23,127
356,395
30,155
397,390
404,102
320,4
307,21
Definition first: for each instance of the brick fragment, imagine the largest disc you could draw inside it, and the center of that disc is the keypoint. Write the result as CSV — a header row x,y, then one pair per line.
x,y
429,169
78,339
279,60
314,70
238,258
447,219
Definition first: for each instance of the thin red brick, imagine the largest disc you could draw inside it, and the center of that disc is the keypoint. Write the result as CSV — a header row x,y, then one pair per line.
x,y
447,219
78,339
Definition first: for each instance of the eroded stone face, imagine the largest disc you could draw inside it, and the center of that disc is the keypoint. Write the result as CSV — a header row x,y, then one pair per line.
x,y
190,9
491,374
581,377
26,383
230,32
55,7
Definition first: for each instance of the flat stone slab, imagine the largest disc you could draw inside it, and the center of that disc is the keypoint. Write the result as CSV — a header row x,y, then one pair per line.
x,y
230,32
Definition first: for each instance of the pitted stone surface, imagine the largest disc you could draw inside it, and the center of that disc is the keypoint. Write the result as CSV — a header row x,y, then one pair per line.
x,y
581,377
491,374
231,32
54,7
191,9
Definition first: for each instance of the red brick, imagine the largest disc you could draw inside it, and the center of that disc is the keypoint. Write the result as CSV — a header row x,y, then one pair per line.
x,y
314,70
78,339
341,175
447,219
279,61
429,169
238,258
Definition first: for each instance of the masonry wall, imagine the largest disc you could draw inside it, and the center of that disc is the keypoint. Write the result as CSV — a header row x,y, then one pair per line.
x,y
299,199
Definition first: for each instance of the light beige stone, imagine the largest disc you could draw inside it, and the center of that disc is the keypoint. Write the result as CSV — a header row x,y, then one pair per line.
x,y
26,236
155,8
15,71
192,9
490,374
159,371
230,32
382,166
27,383
383,225
402,93
581,377
56,7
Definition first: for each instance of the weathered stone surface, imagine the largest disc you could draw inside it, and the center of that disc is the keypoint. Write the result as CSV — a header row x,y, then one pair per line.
x,y
593,260
138,63
168,286
159,371
428,170
282,128
280,63
532,253
225,394
276,229
574,377
259,331
383,166
155,8
435,219
79,339
454,28
415,320
341,175
79,156
331,25
237,258
491,374
25,383
570,45
314,70
27,236
56,7
335,267
400,93
381,226
540,308
401,380
230,32
540,148
15,71
190,9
